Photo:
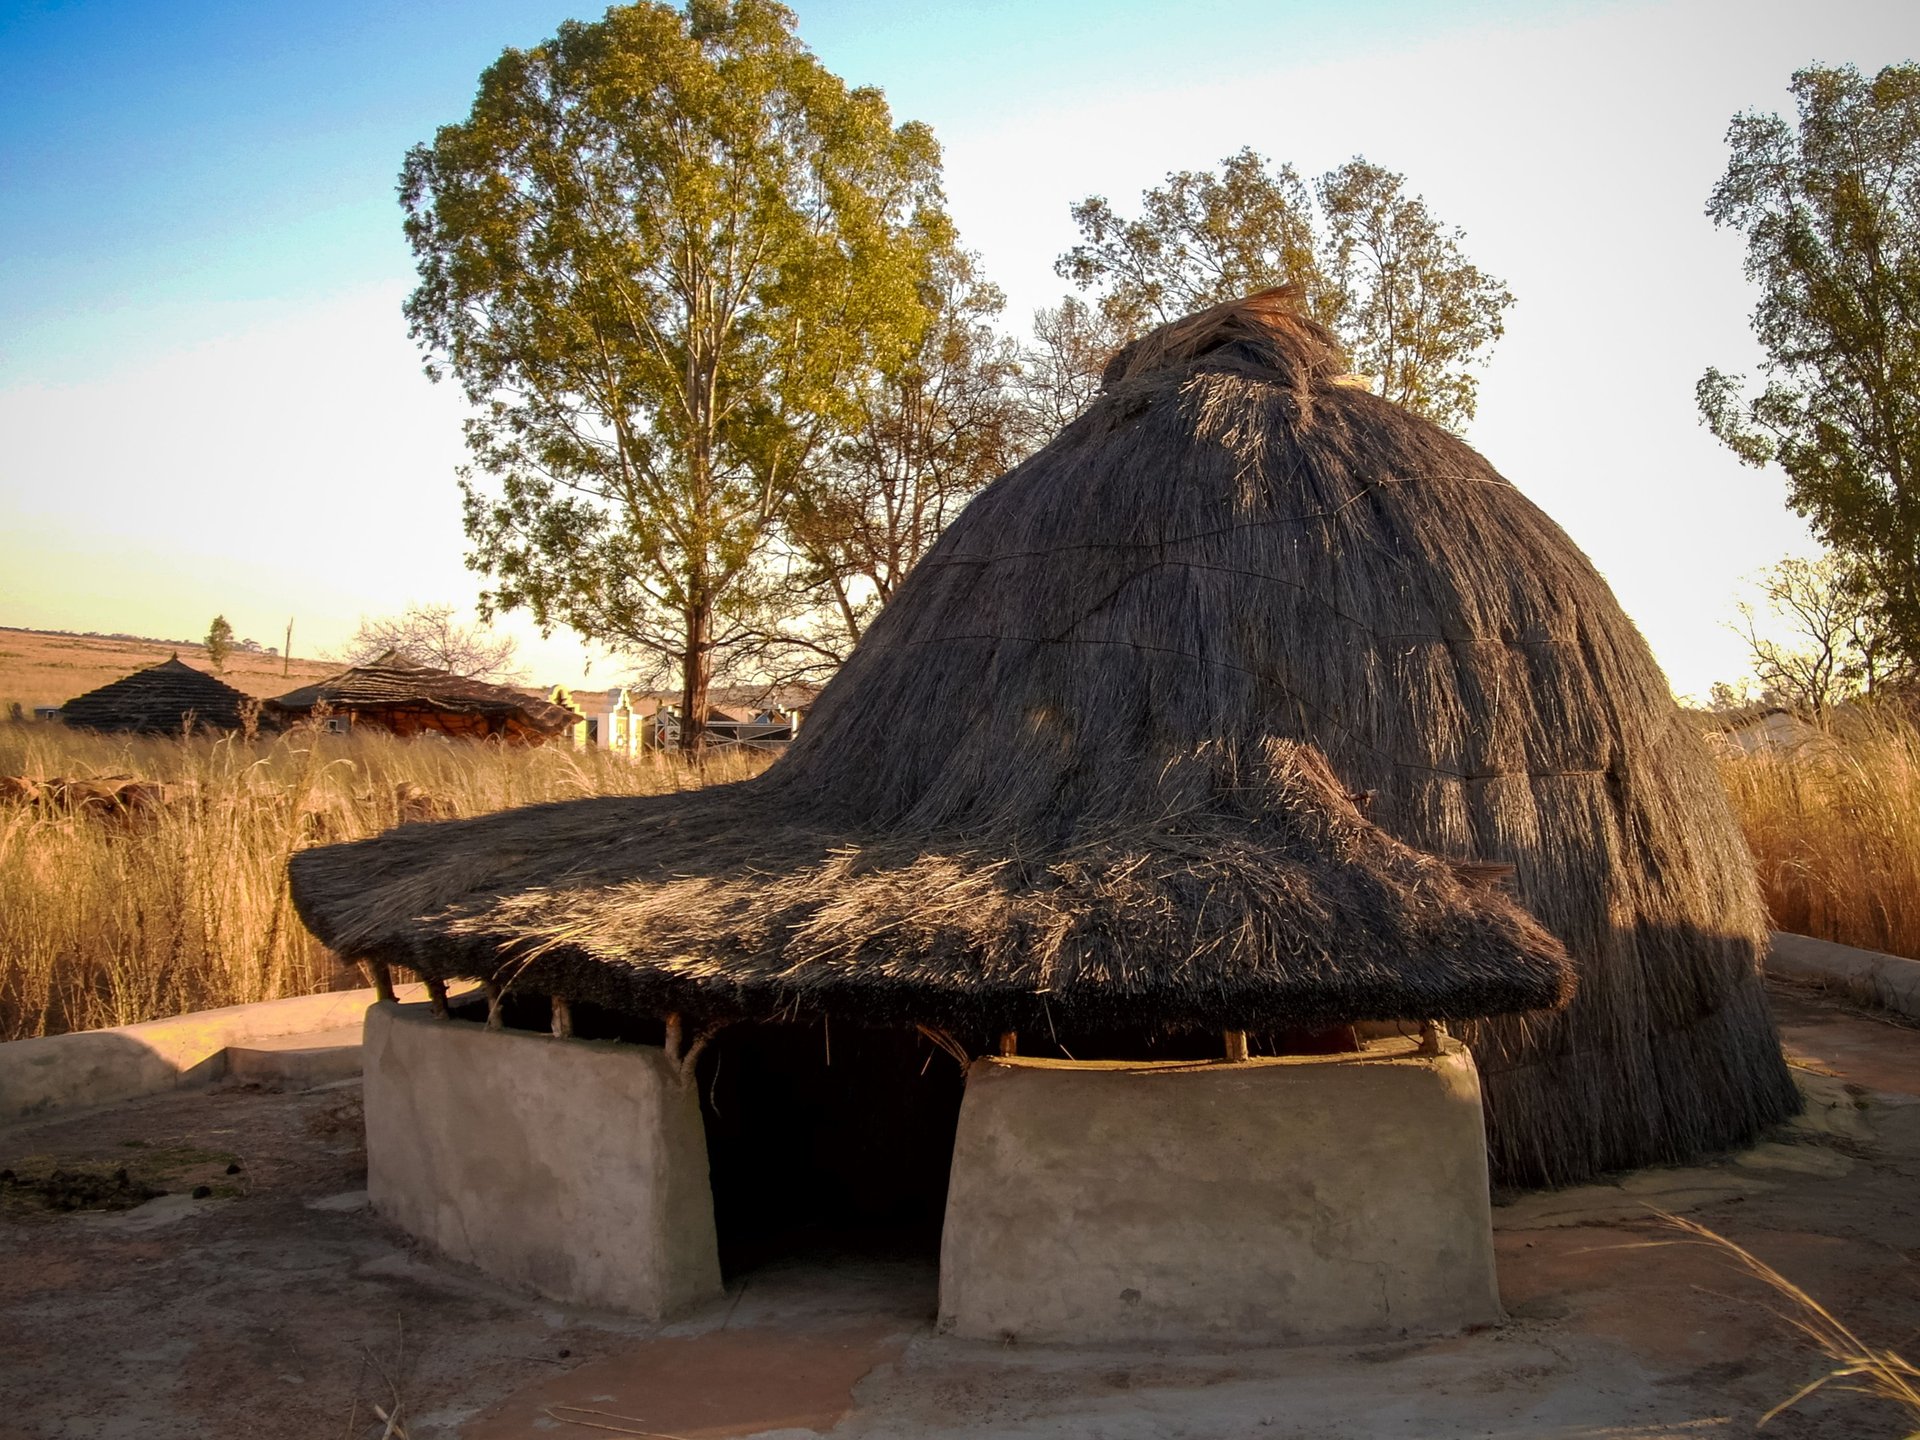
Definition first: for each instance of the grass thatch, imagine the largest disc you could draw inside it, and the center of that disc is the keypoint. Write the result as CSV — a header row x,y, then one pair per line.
x,y
1248,893
399,695
1232,548
162,699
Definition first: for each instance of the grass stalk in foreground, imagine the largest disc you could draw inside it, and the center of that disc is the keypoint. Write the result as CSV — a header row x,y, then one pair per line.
x,y
1858,1368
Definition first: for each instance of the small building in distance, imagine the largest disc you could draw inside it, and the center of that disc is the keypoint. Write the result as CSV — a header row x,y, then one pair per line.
x,y
635,722
392,693
622,721
578,733
164,699
1755,730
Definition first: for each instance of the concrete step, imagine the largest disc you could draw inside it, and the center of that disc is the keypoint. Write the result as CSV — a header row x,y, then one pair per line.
x,y
315,1058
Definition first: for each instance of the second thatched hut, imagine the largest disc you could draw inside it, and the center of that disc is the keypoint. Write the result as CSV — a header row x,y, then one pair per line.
x,y
170,698
395,694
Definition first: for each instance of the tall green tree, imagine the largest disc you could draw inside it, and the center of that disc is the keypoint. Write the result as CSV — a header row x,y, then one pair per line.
x,y
219,642
660,256
1830,206
926,433
1378,267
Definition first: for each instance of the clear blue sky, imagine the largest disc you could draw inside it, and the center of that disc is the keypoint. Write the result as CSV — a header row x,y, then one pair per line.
x,y
163,158
208,401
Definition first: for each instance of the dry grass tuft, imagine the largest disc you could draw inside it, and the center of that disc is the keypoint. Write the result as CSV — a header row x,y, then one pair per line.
x,y
1834,826
112,917
1858,1368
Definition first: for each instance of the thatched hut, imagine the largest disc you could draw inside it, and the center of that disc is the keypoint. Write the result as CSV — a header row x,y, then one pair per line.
x,y
393,693
1229,711
167,698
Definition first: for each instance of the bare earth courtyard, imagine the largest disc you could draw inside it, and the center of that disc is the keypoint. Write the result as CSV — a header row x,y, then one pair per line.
x,y
278,1306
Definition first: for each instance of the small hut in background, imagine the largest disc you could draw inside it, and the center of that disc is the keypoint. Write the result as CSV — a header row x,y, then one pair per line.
x,y
167,698
394,694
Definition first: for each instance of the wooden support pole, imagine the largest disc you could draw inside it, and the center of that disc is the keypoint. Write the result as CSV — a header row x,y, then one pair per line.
x,y
1010,1042
1433,1036
1236,1044
495,1020
382,979
562,1018
437,994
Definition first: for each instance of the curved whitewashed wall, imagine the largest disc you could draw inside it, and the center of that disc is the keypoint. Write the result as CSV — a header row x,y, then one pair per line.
x,y
1273,1201
575,1168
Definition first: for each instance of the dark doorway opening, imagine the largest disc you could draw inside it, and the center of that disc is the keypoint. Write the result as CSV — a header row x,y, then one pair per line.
x,y
827,1139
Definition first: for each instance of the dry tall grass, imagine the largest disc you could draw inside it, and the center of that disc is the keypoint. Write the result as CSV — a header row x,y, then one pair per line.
x,y
107,920
1834,826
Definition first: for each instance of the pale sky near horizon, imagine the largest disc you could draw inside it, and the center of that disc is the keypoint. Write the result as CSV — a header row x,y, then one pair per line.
x,y
208,401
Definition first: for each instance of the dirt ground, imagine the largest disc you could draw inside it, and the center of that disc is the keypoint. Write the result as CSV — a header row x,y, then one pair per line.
x,y
276,1305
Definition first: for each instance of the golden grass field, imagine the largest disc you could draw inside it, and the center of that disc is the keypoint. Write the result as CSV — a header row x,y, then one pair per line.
x,y
109,918
1834,826
38,667
113,918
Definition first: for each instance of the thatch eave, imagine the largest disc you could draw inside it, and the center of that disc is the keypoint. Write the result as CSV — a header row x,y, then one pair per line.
x,y
745,901
397,686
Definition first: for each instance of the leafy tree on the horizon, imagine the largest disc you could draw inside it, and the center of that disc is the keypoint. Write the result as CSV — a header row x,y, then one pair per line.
x,y
1830,206
1824,642
1379,270
219,642
661,256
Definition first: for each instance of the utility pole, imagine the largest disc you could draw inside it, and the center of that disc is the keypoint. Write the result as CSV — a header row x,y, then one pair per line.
x,y
286,651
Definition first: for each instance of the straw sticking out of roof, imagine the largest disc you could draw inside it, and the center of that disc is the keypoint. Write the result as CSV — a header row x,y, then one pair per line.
x,y
1251,894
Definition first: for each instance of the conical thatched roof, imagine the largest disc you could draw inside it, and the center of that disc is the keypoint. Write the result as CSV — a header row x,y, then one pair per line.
x,y
393,683
1230,549
166,698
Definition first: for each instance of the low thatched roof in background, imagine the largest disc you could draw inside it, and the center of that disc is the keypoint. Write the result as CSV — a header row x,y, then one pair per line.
x,y
395,683
164,698
1248,893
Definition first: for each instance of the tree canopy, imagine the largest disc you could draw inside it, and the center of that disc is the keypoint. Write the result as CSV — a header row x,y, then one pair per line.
x,y
661,256
430,635
219,642
926,433
1378,268
1830,206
